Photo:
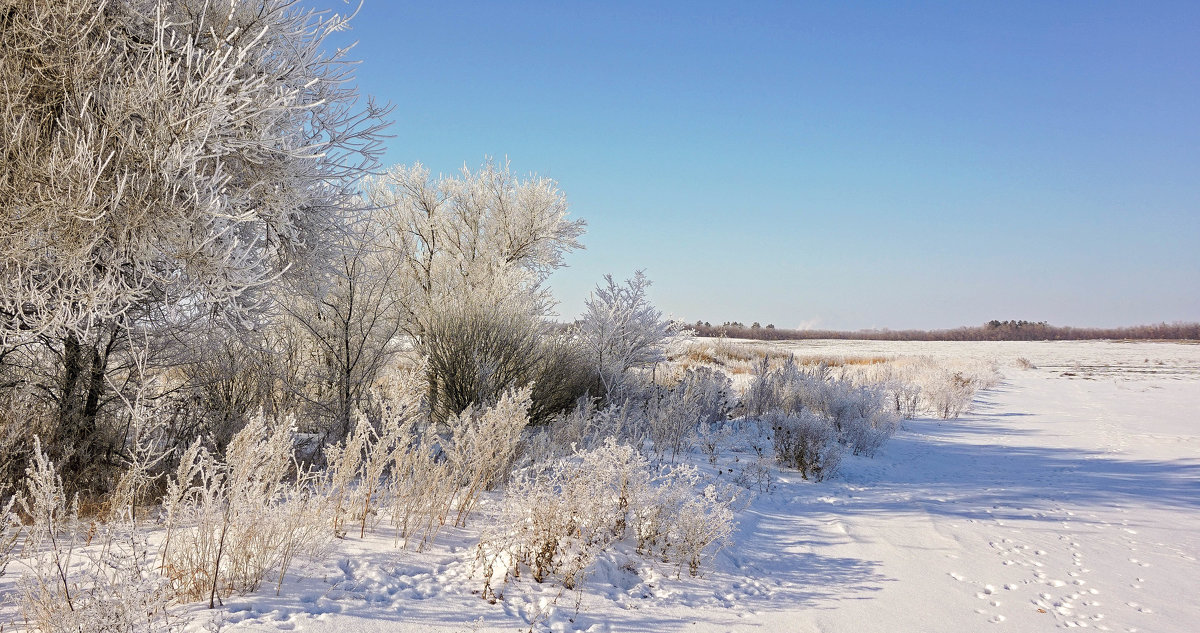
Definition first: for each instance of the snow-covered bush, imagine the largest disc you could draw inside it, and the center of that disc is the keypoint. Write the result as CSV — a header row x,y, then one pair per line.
x,y
808,443
673,415
111,585
10,527
756,474
760,397
555,520
563,376
713,438
792,389
354,478
585,427
906,397
421,486
97,576
920,384
952,395
418,474
578,427
343,464
432,476
866,433
357,477
622,330
801,402
483,445
701,523
475,353
232,523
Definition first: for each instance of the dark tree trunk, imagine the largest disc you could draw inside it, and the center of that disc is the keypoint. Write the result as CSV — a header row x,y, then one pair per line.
x,y
78,448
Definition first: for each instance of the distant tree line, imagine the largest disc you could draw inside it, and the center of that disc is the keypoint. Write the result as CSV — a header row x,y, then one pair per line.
x,y
994,330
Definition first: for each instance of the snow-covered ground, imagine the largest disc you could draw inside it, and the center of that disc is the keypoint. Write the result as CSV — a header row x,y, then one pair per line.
x,y
1068,497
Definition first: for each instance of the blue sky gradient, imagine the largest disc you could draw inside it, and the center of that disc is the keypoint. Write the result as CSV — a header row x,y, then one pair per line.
x,y
900,165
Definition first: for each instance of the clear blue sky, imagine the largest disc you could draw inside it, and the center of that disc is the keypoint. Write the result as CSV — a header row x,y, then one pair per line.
x,y
901,165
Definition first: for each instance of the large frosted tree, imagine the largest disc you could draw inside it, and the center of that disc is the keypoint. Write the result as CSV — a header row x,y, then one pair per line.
x,y
173,151
163,159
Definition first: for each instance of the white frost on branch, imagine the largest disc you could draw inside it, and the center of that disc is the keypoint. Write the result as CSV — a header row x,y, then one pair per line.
x,y
176,153
622,329
481,238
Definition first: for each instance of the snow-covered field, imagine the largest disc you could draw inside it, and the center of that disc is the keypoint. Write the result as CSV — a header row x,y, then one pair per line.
x,y
1068,497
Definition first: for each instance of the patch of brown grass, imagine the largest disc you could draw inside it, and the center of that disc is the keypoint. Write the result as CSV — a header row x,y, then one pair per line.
x,y
841,361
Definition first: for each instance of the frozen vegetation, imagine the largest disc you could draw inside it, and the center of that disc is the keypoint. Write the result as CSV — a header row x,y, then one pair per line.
x,y
251,380
1065,496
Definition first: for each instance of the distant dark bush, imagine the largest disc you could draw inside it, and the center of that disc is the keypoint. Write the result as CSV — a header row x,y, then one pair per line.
x,y
990,331
476,354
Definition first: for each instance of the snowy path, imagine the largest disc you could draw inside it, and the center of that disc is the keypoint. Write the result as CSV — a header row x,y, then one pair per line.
x,y
1059,502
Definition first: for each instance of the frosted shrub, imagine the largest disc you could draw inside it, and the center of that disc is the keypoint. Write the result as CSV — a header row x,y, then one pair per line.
x,y
356,474
52,539
907,399
700,522
546,529
482,446
344,462
113,585
10,528
760,397
953,395
866,434
391,465
808,443
421,486
378,458
792,389
940,387
354,477
866,420
622,330
97,577
674,415
677,523
435,476
804,401
756,474
476,353
578,427
231,524
587,427
556,520
713,438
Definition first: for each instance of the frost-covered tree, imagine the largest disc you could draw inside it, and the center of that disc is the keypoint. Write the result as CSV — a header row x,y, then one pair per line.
x,y
482,237
177,151
351,313
622,329
163,159
477,249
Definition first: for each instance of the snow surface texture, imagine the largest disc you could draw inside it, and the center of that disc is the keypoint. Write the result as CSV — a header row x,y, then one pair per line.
x,y
1068,497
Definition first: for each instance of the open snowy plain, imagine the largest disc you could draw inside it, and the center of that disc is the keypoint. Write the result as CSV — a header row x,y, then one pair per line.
x,y
1069,496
